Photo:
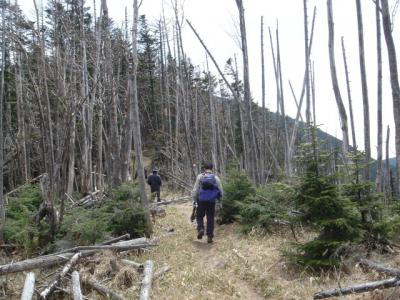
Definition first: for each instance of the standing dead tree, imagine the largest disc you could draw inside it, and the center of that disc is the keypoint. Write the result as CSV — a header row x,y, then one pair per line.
x,y
394,80
367,142
251,148
335,84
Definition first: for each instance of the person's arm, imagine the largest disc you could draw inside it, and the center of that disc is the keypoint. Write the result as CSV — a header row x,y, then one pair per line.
x,y
195,190
159,180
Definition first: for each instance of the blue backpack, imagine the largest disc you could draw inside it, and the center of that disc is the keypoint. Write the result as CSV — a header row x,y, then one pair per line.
x,y
209,190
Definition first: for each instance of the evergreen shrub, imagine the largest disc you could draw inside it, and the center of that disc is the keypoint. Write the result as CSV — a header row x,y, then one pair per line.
x,y
237,187
269,204
120,214
337,219
20,212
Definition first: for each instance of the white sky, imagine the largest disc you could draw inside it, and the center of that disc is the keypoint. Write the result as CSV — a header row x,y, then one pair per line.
x,y
216,20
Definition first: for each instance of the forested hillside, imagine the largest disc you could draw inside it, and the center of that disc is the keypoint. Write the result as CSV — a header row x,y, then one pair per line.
x,y
88,108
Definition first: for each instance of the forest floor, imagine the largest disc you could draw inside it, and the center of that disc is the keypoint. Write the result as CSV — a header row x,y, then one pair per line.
x,y
238,266
235,266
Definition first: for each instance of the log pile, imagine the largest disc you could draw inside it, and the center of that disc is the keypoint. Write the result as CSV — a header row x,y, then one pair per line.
x,y
75,258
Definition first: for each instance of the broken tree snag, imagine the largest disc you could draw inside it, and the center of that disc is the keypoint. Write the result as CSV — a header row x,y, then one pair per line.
x,y
29,287
76,286
147,279
133,264
361,288
161,272
103,290
379,268
47,291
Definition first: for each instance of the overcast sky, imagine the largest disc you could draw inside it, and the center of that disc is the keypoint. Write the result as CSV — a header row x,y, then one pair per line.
x,y
216,22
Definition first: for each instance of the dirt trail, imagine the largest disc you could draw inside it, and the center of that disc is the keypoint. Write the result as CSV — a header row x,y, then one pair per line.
x,y
200,270
235,266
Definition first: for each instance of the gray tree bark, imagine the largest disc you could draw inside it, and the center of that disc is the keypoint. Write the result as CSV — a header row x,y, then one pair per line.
x,y
394,80
367,142
379,176
335,85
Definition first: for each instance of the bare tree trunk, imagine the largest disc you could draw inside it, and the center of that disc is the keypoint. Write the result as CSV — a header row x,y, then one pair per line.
x,y
136,120
394,80
2,95
353,130
307,65
335,85
21,135
211,99
367,142
379,180
388,187
263,152
48,126
288,160
251,148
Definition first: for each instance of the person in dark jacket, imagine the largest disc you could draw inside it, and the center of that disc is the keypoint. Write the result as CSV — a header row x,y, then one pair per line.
x,y
206,192
154,180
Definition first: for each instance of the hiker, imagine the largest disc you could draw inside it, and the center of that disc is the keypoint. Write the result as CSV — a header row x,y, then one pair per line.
x,y
206,192
154,180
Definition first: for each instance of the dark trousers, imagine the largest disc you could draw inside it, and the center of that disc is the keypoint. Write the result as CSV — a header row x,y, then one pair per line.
x,y
206,209
156,193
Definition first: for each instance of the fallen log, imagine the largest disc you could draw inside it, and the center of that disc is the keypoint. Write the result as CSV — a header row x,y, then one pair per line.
x,y
110,294
161,272
147,279
109,242
133,264
52,260
116,241
174,201
47,291
361,288
76,286
29,287
378,267
121,247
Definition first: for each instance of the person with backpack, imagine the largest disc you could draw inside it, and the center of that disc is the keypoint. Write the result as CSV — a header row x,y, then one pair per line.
x,y
154,180
206,192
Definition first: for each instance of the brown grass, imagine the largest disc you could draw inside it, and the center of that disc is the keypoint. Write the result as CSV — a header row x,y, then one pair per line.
x,y
240,266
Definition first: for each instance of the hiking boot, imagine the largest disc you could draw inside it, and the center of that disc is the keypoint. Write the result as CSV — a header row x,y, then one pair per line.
x,y
200,234
209,239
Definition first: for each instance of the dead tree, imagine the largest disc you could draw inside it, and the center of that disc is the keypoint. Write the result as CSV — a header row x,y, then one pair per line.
x,y
394,80
136,119
335,84
353,130
367,142
2,95
379,177
251,148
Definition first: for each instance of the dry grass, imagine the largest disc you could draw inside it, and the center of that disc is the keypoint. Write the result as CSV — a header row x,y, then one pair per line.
x,y
239,266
